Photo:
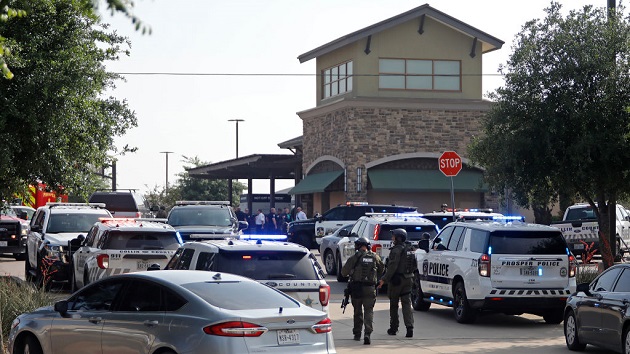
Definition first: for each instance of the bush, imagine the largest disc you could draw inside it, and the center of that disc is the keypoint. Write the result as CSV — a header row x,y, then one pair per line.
x,y
586,274
17,297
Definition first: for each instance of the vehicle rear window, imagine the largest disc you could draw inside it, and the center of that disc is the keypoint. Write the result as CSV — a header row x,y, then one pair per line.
x,y
125,240
581,213
260,265
439,220
414,232
237,295
116,202
191,216
72,222
527,242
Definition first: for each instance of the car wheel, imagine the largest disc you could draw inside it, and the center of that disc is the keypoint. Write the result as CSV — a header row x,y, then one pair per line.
x,y
553,317
626,341
417,296
330,263
19,256
340,278
31,346
571,333
463,312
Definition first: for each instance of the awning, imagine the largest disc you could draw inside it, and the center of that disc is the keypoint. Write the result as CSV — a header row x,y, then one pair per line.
x,y
316,182
425,181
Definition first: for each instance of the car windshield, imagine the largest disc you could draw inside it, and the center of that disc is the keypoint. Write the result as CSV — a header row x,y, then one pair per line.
x,y
200,216
414,232
125,240
581,213
527,242
239,295
116,202
72,222
260,265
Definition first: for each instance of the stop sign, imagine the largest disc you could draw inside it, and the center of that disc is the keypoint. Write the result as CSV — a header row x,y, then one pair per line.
x,y
450,163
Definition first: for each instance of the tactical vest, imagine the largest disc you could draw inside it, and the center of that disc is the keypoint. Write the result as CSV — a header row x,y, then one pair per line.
x,y
365,269
411,265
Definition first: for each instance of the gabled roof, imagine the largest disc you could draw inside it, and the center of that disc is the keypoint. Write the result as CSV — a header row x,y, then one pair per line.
x,y
488,42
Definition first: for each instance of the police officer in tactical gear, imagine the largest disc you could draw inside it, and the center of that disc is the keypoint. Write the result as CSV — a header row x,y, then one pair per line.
x,y
363,268
399,278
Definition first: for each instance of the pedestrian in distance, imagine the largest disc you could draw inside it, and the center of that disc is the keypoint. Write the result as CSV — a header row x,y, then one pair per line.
x,y
399,277
260,222
363,270
300,215
285,219
271,222
161,214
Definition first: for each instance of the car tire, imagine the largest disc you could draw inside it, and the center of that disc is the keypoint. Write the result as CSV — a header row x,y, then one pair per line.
x,y
31,346
19,256
330,263
625,341
553,317
340,278
571,332
417,296
462,310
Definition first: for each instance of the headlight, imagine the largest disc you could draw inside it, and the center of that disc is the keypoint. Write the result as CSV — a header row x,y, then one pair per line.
x,y
25,229
54,252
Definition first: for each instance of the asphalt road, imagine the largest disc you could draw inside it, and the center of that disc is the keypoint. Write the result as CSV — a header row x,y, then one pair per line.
x,y
435,331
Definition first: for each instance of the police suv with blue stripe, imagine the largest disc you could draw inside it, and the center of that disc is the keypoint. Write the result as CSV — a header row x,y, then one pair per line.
x,y
502,266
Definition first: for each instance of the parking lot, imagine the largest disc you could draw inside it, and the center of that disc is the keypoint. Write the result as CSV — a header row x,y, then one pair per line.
x,y
435,331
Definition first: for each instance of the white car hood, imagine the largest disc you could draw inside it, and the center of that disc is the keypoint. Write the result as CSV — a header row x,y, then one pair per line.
x,y
61,239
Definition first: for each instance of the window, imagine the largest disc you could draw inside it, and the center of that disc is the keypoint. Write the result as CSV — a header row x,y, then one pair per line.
x,y
623,284
527,242
144,296
261,265
139,240
337,80
443,238
417,74
181,259
98,297
478,241
237,295
457,239
606,280
414,232
334,214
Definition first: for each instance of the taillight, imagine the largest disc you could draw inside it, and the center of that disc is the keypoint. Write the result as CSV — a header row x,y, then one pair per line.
x,y
103,261
323,326
572,266
484,265
377,228
324,294
376,248
235,329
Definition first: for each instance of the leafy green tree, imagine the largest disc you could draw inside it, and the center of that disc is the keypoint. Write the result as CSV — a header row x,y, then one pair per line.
x,y
189,188
55,123
561,123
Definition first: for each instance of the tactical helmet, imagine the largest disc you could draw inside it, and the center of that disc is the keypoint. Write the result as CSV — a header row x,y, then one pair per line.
x,y
399,234
362,241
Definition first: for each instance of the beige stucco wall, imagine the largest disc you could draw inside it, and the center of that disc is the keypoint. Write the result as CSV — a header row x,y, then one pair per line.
x,y
437,42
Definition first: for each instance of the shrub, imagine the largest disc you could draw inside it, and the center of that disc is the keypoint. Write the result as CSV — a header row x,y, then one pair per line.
x,y
586,274
17,297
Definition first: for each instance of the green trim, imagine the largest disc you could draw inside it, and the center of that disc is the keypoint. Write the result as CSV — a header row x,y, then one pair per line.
x,y
316,182
425,181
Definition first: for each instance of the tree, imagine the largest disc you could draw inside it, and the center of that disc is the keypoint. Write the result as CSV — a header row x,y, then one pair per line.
x,y
561,123
55,124
189,188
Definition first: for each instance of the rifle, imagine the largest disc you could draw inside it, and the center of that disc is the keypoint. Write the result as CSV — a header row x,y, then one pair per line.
x,y
346,299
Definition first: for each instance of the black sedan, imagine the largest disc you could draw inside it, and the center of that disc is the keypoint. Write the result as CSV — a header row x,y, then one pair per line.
x,y
598,313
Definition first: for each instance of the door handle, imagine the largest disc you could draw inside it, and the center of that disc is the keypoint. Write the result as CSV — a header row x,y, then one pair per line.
x,y
151,323
95,320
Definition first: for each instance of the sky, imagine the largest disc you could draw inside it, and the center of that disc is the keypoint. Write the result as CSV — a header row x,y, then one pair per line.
x,y
240,57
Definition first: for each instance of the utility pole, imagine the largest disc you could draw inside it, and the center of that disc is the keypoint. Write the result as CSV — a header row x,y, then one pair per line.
x,y
166,154
230,185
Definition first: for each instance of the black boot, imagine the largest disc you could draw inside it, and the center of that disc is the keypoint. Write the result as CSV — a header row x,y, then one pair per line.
x,y
392,331
357,337
366,340
409,332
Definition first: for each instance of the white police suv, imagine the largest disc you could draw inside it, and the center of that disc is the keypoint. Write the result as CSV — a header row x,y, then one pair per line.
x,y
285,266
509,267
119,245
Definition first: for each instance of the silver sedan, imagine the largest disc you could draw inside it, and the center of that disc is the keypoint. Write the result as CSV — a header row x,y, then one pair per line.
x,y
175,311
330,252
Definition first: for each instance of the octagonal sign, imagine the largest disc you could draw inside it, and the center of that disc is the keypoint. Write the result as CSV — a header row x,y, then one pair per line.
x,y
450,163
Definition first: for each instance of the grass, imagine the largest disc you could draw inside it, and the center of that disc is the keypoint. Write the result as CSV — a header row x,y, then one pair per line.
x,y
585,274
17,297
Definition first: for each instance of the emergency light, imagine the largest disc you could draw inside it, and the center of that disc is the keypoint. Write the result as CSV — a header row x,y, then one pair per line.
x,y
264,237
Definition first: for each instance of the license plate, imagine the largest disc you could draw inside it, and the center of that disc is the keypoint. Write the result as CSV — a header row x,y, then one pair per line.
x,y
288,336
143,265
529,272
4,243
578,246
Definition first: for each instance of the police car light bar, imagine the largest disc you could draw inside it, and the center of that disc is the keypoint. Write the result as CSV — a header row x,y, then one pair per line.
x,y
356,203
509,218
264,237
92,205
397,215
201,202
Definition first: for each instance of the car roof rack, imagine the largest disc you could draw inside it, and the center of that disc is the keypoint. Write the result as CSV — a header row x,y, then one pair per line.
x,y
90,205
202,202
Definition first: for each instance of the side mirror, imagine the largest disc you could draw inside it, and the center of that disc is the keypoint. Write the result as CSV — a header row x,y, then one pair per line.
x,y
584,288
319,218
153,266
344,233
22,215
61,307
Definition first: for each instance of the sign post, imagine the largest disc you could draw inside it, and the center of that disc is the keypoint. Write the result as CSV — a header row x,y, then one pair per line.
x,y
450,164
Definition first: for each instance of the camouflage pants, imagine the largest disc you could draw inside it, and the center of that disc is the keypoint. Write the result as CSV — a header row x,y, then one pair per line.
x,y
364,310
400,293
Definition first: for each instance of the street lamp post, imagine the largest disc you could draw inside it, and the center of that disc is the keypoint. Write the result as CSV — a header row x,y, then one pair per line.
x,y
166,154
236,120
